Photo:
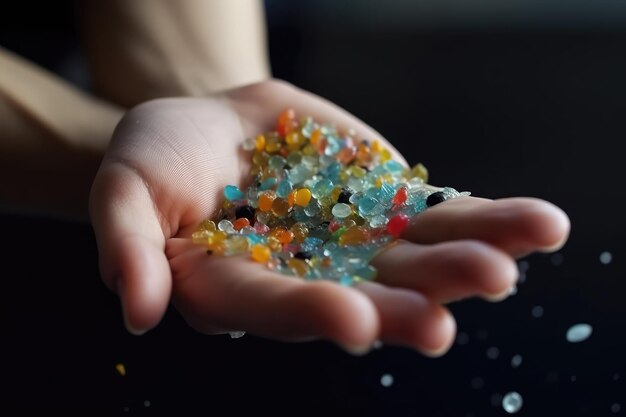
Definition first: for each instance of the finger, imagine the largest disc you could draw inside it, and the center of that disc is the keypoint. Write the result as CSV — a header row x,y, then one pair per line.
x,y
410,319
130,246
277,95
518,225
448,271
217,294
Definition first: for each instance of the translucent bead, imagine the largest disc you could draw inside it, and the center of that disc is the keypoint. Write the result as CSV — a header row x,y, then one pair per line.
x,y
355,235
265,200
401,195
235,245
208,225
259,143
261,228
226,226
303,197
341,210
240,223
284,189
261,253
285,121
232,193
367,205
322,188
299,266
249,144
420,172
201,237
280,207
300,232
294,140
276,162
274,244
267,184
283,235
397,224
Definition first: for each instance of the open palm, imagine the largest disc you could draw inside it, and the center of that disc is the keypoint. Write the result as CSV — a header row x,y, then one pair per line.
x,y
165,171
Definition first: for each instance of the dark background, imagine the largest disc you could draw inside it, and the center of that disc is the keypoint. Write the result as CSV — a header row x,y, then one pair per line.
x,y
526,98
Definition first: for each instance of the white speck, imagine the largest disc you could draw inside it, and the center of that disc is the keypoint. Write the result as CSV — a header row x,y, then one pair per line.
x,y
147,403
579,332
512,402
516,361
615,376
572,378
616,408
493,352
606,257
386,380
477,383
236,334
377,344
462,338
537,312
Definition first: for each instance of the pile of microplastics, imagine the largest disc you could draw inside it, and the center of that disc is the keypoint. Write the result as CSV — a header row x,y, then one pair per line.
x,y
321,204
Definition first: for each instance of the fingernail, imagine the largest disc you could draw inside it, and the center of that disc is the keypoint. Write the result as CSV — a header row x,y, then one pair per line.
x,y
435,353
494,298
357,350
131,329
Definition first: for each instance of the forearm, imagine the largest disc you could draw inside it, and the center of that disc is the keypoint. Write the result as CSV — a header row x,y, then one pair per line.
x,y
144,49
52,139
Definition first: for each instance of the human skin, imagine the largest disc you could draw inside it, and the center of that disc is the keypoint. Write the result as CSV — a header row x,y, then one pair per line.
x,y
164,173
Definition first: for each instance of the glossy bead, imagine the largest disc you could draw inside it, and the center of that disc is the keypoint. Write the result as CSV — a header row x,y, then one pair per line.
x,y
435,198
261,253
265,201
341,210
259,143
355,235
208,225
303,197
240,223
400,197
233,193
420,171
299,266
285,119
397,224
280,207
300,232
283,235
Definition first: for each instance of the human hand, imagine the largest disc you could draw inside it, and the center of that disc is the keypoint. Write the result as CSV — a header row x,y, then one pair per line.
x,y
164,173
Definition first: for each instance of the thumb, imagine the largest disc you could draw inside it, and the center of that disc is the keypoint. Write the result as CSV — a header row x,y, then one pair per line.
x,y
130,246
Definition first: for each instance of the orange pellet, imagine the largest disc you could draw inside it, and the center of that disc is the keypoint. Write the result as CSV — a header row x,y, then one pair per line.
x,y
299,266
283,235
240,223
280,207
274,244
261,253
285,121
303,196
316,135
291,199
265,200
355,235
400,197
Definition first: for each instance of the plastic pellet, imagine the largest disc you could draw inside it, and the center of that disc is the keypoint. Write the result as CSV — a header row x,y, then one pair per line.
x,y
322,202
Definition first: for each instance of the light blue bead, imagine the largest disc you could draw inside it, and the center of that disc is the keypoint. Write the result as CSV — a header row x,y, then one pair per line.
x,y
322,188
267,184
283,189
367,205
276,162
232,193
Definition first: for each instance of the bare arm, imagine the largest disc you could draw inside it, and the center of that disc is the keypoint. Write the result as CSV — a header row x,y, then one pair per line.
x,y
143,49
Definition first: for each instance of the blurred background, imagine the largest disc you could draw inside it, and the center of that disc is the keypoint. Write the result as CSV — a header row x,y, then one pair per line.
x,y
517,98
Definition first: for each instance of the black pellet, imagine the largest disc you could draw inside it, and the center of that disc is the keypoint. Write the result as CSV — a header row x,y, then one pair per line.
x,y
344,196
245,211
435,198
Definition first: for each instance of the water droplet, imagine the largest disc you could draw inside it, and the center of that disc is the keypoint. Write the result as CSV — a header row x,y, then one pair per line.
x,y
537,312
579,332
386,380
236,334
512,402
516,361
606,257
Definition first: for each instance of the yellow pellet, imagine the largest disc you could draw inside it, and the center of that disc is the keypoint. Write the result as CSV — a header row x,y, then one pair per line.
x,y
420,171
259,143
208,225
355,235
261,253
303,196
299,266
